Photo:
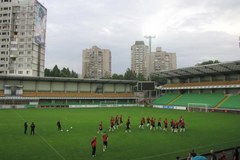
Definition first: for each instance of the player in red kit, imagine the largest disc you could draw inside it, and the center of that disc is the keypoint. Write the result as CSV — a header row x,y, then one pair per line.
x,y
182,125
142,123
111,124
94,146
105,141
165,124
152,124
159,124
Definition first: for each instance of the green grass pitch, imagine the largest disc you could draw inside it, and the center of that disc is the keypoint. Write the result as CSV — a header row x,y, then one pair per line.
x,y
204,131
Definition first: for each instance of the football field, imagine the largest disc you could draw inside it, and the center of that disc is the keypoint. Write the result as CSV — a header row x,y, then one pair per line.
x,y
204,131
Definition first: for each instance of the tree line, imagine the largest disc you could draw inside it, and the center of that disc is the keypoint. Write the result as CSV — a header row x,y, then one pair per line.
x,y
56,72
128,75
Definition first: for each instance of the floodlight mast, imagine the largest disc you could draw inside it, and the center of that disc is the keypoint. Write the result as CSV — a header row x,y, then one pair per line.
x,y
239,41
150,53
150,41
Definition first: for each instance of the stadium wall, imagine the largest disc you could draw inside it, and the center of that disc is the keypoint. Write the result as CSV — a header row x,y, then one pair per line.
x,y
30,92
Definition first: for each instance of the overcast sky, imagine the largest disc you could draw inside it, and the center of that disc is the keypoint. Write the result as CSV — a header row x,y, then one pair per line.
x,y
196,30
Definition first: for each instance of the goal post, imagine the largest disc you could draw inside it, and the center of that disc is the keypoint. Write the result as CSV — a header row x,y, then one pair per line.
x,y
202,107
108,103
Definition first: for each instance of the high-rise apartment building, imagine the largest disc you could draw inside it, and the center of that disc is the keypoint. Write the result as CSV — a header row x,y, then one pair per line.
x,y
22,37
96,63
138,57
144,63
163,60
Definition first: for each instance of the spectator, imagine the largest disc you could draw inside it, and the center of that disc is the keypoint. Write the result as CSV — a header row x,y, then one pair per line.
x,y
193,153
236,154
189,156
25,127
222,156
213,155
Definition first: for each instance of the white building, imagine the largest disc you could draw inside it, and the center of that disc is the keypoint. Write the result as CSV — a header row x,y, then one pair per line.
x,y
163,61
139,57
144,63
22,37
96,63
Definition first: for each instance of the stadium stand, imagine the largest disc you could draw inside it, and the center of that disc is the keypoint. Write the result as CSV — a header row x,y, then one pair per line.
x,y
28,92
183,100
72,94
210,99
1,93
233,102
215,85
164,100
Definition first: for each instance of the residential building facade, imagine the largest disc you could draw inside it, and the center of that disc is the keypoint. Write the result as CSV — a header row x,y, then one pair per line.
x,y
22,37
96,63
146,63
139,57
163,61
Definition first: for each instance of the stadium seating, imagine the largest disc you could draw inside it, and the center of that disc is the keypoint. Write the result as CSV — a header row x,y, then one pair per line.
x,y
210,99
1,93
165,99
233,102
74,94
235,82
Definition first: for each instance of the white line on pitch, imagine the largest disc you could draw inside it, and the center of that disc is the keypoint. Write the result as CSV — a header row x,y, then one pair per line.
x,y
44,140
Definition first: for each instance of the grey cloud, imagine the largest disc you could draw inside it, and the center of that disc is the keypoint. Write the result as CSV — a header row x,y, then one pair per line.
x,y
185,29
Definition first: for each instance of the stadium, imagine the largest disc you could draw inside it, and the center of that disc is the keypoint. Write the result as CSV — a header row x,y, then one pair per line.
x,y
206,96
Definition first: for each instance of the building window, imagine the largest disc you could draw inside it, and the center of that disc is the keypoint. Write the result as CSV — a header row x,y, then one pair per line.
x,y
20,65
20,72
21,53
20,59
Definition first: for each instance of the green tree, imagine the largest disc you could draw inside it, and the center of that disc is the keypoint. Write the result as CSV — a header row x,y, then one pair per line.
x,y
65,72
47,72
140,77
74,74
130,75
117,76
207,62
158,80
56,71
